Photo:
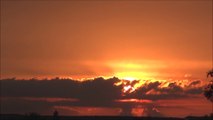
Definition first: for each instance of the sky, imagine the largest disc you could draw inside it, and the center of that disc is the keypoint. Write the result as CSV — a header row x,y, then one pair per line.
x,y
165,41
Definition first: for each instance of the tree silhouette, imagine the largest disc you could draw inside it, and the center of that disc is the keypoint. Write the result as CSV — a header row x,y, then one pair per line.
x,y
55,115
210,73
208,90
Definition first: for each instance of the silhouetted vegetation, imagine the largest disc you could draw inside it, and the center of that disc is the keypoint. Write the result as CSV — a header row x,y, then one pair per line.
x,y
210,73
55,115
208,90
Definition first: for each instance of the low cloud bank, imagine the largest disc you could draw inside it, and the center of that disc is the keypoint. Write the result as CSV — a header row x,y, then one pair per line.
x,y
97,89
104,94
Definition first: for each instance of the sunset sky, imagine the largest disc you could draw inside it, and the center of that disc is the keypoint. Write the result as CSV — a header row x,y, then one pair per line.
x,y
167,43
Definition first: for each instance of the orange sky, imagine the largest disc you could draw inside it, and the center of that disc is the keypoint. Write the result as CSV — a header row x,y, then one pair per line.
x,y
84,39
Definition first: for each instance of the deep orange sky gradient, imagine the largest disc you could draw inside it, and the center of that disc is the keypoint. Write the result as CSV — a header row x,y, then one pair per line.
x,y
85,39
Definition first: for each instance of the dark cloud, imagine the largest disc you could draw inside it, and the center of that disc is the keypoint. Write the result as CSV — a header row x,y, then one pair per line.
x,y
97,89
197,90
97,92
194,83
58,88
154,91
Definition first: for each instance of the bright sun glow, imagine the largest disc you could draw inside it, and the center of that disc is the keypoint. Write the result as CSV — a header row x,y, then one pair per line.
x,y
133,70
130,78
134,75
129,86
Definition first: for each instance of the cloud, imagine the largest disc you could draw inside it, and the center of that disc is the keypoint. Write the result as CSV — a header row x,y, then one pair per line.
x,y
197,90
97,92
194,83
155,91
98,89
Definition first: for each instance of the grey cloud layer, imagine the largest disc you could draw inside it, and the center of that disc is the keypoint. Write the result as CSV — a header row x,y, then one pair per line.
x,y
96,89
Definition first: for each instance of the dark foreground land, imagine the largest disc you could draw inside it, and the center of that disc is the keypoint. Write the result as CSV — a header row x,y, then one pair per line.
x,y
26,117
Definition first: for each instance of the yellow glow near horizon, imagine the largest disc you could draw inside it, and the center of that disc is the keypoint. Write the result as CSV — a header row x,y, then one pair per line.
x,y
134,75
131,71
130,78
136,70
